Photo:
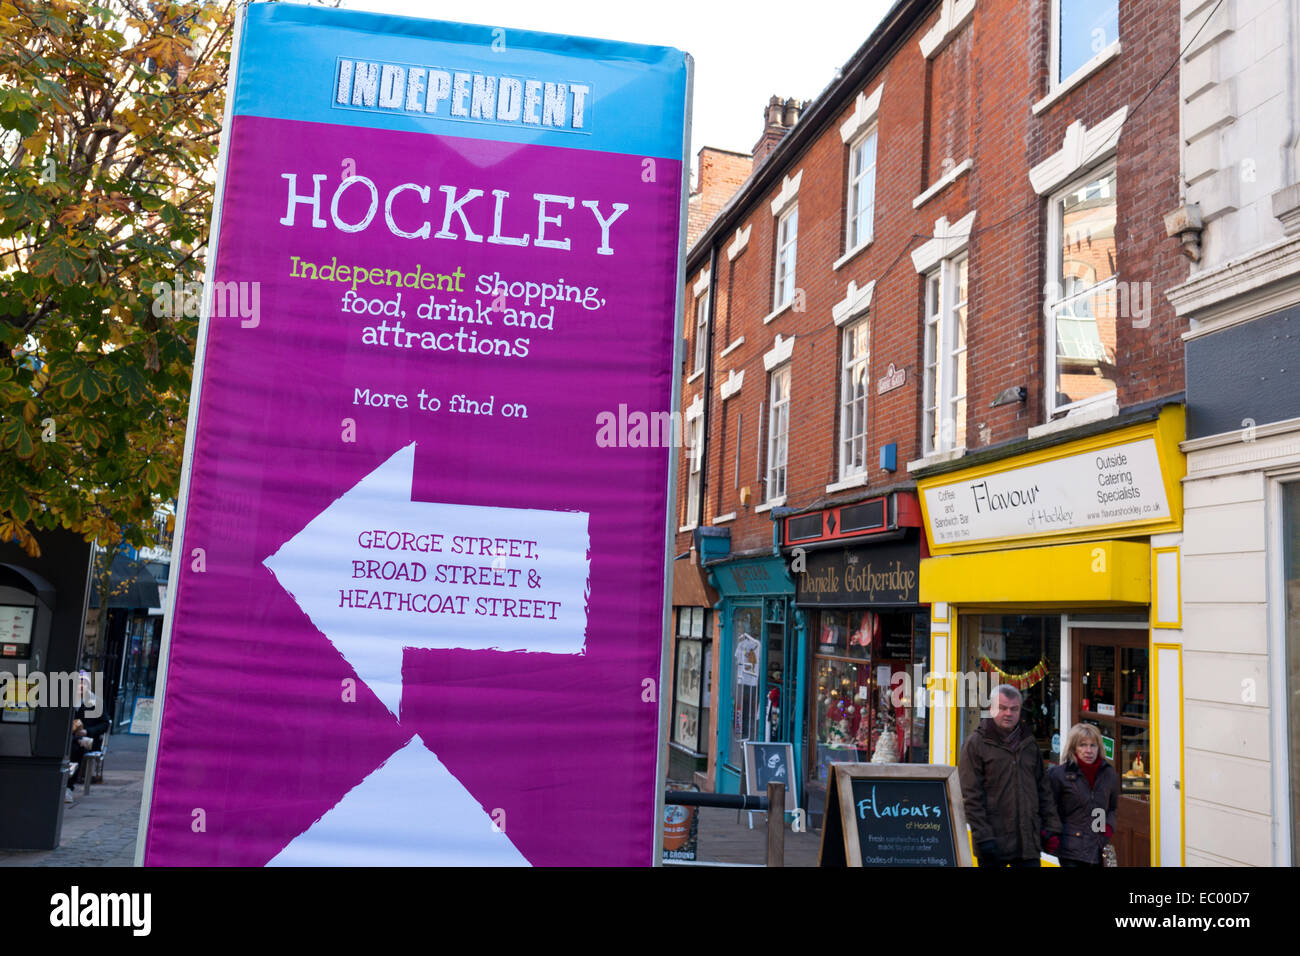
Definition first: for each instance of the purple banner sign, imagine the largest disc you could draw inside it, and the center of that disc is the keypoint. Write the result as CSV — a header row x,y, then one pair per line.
x,y
419,606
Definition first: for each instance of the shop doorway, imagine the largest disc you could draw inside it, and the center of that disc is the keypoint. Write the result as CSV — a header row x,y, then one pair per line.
x,y
745,692
1112,691
761,686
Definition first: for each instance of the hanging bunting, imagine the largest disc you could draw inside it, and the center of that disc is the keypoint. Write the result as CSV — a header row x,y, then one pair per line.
x,y
1022,681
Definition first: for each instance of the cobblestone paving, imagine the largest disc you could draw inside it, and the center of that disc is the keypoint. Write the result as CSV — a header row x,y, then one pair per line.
x,y
99,828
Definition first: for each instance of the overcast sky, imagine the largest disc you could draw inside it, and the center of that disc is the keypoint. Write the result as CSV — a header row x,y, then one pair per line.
x,y
742,55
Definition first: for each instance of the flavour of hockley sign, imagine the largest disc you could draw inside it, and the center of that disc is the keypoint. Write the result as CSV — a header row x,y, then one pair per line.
x,y
1110,486
880,575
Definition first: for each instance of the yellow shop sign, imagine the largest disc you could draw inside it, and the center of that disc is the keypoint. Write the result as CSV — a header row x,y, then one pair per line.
x,y
1125,482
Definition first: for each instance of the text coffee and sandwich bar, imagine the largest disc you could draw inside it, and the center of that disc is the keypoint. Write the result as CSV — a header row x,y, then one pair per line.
x,y
1054,567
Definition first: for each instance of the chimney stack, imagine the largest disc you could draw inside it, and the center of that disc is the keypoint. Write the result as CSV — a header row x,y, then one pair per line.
x,y
778,118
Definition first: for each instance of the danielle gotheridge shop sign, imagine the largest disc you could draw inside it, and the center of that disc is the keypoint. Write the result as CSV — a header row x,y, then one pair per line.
x,y
418,610
883,574
1121,485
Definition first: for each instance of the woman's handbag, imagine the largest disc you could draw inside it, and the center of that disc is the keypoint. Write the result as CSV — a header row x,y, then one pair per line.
x,y
1108,857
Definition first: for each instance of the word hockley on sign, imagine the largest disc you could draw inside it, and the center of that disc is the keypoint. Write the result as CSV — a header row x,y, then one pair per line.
x,y
894,815
419,609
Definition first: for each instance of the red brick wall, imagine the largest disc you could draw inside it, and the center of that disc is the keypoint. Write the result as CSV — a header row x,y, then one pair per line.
x,y
719,174
980,89
949,113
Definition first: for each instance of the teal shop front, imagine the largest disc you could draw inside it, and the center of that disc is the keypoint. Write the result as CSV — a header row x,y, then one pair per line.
x,y
760,657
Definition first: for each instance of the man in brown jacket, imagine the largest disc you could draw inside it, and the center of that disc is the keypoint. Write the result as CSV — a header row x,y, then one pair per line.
x,y
1005,790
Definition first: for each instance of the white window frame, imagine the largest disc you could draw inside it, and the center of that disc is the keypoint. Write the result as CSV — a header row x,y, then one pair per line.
x,y
778,435
852,242
1055,80
851,432
1054,281
694,438
701,330
939,399
785,247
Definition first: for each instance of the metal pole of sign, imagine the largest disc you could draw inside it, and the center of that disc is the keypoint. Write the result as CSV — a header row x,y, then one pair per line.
x,y
670,518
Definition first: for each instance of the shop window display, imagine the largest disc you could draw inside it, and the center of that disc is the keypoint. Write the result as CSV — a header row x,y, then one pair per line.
x,y
860,712
1023,651
690,685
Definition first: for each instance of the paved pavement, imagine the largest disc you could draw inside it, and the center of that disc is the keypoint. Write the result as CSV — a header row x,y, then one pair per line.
x,y
724,840
99,828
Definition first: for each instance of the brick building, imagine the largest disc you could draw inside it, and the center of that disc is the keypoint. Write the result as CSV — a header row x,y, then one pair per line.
x,y
930,372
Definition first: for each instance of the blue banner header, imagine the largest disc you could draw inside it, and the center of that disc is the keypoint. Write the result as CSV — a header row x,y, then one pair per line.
x,y
452,79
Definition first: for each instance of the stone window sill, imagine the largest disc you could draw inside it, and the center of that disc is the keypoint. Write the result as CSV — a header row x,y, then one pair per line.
x,y
1077,77
732,347
856,481
936,458
777,311
943,183
844,259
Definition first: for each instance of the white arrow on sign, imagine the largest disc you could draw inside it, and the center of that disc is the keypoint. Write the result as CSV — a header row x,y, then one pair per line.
x,y
442,824
377,572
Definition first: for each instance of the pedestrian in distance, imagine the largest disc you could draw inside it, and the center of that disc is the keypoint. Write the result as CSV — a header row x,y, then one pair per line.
x,y
1004,787
1085,788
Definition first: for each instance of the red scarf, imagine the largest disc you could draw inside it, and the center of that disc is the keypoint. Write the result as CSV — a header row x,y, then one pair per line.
x,y
1090,770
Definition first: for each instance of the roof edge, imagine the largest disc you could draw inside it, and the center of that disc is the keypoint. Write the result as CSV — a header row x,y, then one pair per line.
x,y
869,59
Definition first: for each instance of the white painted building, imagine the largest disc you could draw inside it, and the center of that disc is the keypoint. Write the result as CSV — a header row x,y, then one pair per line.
x,y
1237,634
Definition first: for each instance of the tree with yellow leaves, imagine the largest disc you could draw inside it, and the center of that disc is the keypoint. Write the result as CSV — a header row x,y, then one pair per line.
x,y
110,114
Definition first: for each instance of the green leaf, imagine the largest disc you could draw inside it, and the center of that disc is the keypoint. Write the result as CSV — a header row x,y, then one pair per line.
x,y
25,122
23,206
20,507
56,92
55,260
65,271
45,20
14,434
91,385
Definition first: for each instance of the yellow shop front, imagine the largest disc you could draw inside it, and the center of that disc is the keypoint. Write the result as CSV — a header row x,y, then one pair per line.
x,y
1055,569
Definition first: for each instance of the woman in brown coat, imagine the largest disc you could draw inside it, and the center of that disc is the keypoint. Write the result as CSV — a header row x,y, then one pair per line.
x,y
1086,789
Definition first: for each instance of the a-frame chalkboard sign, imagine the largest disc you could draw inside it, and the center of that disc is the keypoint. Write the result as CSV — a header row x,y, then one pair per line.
x,y
894,815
